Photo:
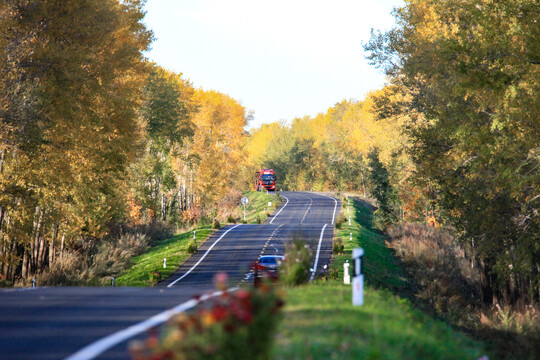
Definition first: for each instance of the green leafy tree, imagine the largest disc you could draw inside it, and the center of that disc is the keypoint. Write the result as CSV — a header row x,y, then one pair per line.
x,y
471,70
381,190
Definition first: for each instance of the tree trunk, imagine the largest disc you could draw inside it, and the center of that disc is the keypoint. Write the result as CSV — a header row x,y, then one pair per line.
x,y
12,267
41,253
163,207
36,238
2,158
180,198
52,245
25,265
2,214
62,246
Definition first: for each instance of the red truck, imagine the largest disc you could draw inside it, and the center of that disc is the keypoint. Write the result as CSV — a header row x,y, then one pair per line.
x,y
265,179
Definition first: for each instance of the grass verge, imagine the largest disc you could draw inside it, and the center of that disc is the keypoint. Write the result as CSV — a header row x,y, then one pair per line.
x,y
321,323
258,205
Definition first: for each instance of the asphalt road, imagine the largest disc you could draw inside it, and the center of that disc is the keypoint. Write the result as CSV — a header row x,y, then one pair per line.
x,y
59,322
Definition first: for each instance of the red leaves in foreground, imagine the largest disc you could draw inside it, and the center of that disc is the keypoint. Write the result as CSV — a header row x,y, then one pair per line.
x,y
235,324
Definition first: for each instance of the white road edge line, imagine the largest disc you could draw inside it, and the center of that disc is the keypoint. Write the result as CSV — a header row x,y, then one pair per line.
x,y
99,347
202,258
317,255
335,206
275,216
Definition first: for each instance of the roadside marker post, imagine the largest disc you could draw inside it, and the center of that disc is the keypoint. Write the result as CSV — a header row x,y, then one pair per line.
x,y
164,263
358,280
33,282
193,234
112,281
349,220
244,201
346,276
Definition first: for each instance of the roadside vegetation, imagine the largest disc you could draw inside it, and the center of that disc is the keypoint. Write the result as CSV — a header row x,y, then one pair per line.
x,y
320,321
147,269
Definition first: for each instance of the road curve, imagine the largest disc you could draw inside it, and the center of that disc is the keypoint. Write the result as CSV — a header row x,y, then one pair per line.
x,y
53,323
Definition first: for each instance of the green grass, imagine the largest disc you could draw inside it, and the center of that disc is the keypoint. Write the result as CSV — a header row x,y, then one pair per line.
x,y
320,321
380,268
175,248
258,201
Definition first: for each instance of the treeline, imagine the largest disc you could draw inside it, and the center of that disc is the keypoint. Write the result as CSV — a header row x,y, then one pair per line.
x,y
329,151
93,138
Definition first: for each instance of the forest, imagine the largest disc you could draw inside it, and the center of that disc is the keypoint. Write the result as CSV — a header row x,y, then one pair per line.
x,y
97,142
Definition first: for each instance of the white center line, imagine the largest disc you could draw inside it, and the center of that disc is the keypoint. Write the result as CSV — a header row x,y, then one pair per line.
x,y
308,209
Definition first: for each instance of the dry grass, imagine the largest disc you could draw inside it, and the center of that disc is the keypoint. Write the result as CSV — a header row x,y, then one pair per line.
x,y
450,286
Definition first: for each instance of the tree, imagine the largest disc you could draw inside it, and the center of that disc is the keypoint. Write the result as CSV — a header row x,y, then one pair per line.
x,y
70,86
381,190
471,70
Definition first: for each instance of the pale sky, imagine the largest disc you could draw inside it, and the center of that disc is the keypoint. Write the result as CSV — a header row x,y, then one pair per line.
x,y
280,58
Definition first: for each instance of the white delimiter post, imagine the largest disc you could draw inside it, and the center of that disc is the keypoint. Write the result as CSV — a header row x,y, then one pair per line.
x,y
358,280
346,276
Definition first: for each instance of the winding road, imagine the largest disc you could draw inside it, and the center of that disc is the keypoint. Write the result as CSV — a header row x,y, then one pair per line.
x,y
84,323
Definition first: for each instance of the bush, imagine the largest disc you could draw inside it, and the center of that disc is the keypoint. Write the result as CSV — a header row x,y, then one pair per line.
x,y
231,219
66,271
235,325
216,224
295,269
333,274
4,282
337,246
340,220
156,231
192,246
258,219
114,256
155,276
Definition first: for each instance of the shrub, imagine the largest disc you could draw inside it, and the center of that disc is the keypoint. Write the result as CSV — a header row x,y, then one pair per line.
x,y
231,219
155,231
192,246
114,256
66,271
258,219
216,224
333,274
340,220
235,325
155,276
295,269
337,246
4,282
